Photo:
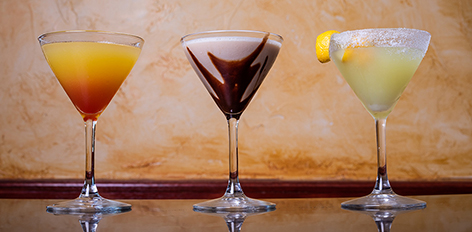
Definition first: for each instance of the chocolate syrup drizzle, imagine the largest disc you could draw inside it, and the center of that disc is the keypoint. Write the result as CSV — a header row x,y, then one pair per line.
x,y
237,76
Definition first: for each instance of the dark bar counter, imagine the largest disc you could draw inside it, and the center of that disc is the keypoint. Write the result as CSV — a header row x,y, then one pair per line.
x,y
443,213
207,189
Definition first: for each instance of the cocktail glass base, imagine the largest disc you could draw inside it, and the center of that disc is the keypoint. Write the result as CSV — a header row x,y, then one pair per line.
x,y
232,203
383,201
89,205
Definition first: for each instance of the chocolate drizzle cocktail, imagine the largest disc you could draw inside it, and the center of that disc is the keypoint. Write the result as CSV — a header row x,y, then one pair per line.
x,y
232,66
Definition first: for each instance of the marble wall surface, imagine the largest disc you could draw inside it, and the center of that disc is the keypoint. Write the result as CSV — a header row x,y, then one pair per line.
x,y
305,123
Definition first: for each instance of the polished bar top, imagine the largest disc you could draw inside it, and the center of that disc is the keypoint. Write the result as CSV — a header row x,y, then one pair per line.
x,y
443,213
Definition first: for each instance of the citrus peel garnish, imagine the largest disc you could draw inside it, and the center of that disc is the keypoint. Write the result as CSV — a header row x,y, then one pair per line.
x,y
360,43
322,46
347,54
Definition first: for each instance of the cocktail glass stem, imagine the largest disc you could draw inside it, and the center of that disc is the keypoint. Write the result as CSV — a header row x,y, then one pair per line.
x,y
89,200
90,189
382,197
382,185
234,188
234,199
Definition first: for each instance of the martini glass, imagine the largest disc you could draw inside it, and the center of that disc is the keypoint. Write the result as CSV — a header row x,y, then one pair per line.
x,y
378,65
90,66
232,65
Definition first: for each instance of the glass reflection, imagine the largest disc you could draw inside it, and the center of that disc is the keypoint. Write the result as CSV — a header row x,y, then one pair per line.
x,y
234,220
89,221
383,218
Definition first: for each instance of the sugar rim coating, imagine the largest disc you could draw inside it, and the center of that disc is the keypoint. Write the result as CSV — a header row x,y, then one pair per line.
x,y
381,37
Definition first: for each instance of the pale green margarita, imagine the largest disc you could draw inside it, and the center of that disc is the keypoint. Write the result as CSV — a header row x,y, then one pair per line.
x,y
378,75
378,65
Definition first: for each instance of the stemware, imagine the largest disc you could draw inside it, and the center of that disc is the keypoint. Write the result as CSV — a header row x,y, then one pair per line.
x,y
90,66
378,65
232,65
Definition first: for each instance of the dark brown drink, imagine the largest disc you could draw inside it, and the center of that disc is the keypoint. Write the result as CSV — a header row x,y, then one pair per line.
x,y
232,68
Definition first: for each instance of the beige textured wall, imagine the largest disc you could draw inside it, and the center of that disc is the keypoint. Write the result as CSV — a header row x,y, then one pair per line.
x,y
304,124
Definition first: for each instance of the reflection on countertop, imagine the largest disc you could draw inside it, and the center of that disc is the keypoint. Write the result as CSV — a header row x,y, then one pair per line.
x,y
443,213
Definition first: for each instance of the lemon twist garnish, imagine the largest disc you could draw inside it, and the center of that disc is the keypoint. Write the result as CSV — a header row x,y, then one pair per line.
x,y
360,43
322,46
347,55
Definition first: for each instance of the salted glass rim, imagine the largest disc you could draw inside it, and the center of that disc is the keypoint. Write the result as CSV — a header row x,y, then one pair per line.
x,y
64,36
243,33
381,37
